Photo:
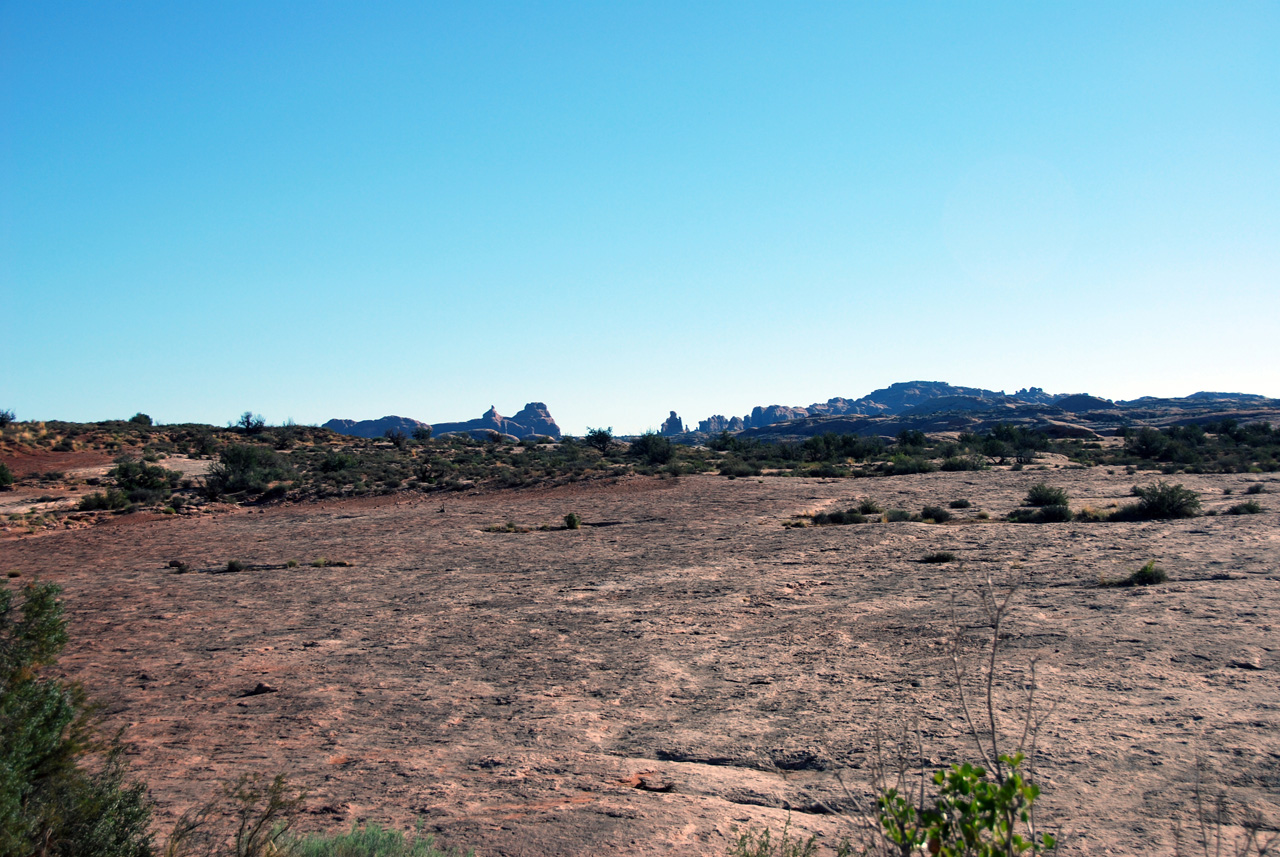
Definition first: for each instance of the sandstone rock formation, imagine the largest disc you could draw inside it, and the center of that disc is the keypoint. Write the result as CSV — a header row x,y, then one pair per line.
x,y
674,425
375,428
533,420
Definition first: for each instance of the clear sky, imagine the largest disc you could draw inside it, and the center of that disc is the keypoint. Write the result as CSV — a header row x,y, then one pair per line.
x,y
316,210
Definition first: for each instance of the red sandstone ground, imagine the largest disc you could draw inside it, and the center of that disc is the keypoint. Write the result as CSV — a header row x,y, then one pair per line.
x,y
687,668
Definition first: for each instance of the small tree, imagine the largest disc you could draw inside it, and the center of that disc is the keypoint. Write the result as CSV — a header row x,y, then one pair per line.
x,y
6,417
251,423
140,419
422,433
397,437
600,438
49,803
6,477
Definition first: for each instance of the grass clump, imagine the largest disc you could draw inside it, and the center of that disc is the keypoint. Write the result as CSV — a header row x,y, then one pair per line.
x,y
897,516
1251,507
1255,488
752,843
938,557
1045,495
369,840
868,506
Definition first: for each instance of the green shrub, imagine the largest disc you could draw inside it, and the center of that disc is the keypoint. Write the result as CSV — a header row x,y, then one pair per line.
x,y
1252,507
235,565
112,499
1042,515
901,464
50,803
1148,575
245,467
937,513
572,521
1161,501
1255,488
852,516
869,507
652,448
973,814
959,504
734,468
6,477
144,483
140,419
6,417
1043,495
896,516
939,557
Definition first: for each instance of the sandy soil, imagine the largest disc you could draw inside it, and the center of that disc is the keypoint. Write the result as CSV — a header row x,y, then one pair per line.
x,y
683,668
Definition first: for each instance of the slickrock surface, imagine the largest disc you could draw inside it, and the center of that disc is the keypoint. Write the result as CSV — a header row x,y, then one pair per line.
x,y
681,667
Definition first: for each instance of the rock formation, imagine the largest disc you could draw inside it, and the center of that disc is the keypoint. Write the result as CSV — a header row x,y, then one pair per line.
x,y
532,421
673,426
375,428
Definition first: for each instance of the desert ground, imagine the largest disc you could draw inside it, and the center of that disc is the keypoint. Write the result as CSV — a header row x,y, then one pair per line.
x,y
682,667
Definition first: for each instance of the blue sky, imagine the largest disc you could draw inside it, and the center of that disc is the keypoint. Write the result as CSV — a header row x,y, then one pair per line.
x,y
313,210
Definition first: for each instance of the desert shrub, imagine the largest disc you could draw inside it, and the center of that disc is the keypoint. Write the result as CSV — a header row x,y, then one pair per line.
x,y
51,803
752,843
422,433
1255,488
235,565
112,498
397,437
1161,501
245,467
939,557
960,504
6,417
6,477
959,463
734,468
896,516
140,419
572,521
652,448
1252,507
1148,575
335,462
1044,495
901,464
868,506
1041,515
937,513
249,817
852,516
144,483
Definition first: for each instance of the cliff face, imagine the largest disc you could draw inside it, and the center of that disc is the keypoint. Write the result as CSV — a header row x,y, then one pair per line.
x,y
673,426
532,420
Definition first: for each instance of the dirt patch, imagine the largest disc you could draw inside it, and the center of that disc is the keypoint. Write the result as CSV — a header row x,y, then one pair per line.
x,y
651,686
